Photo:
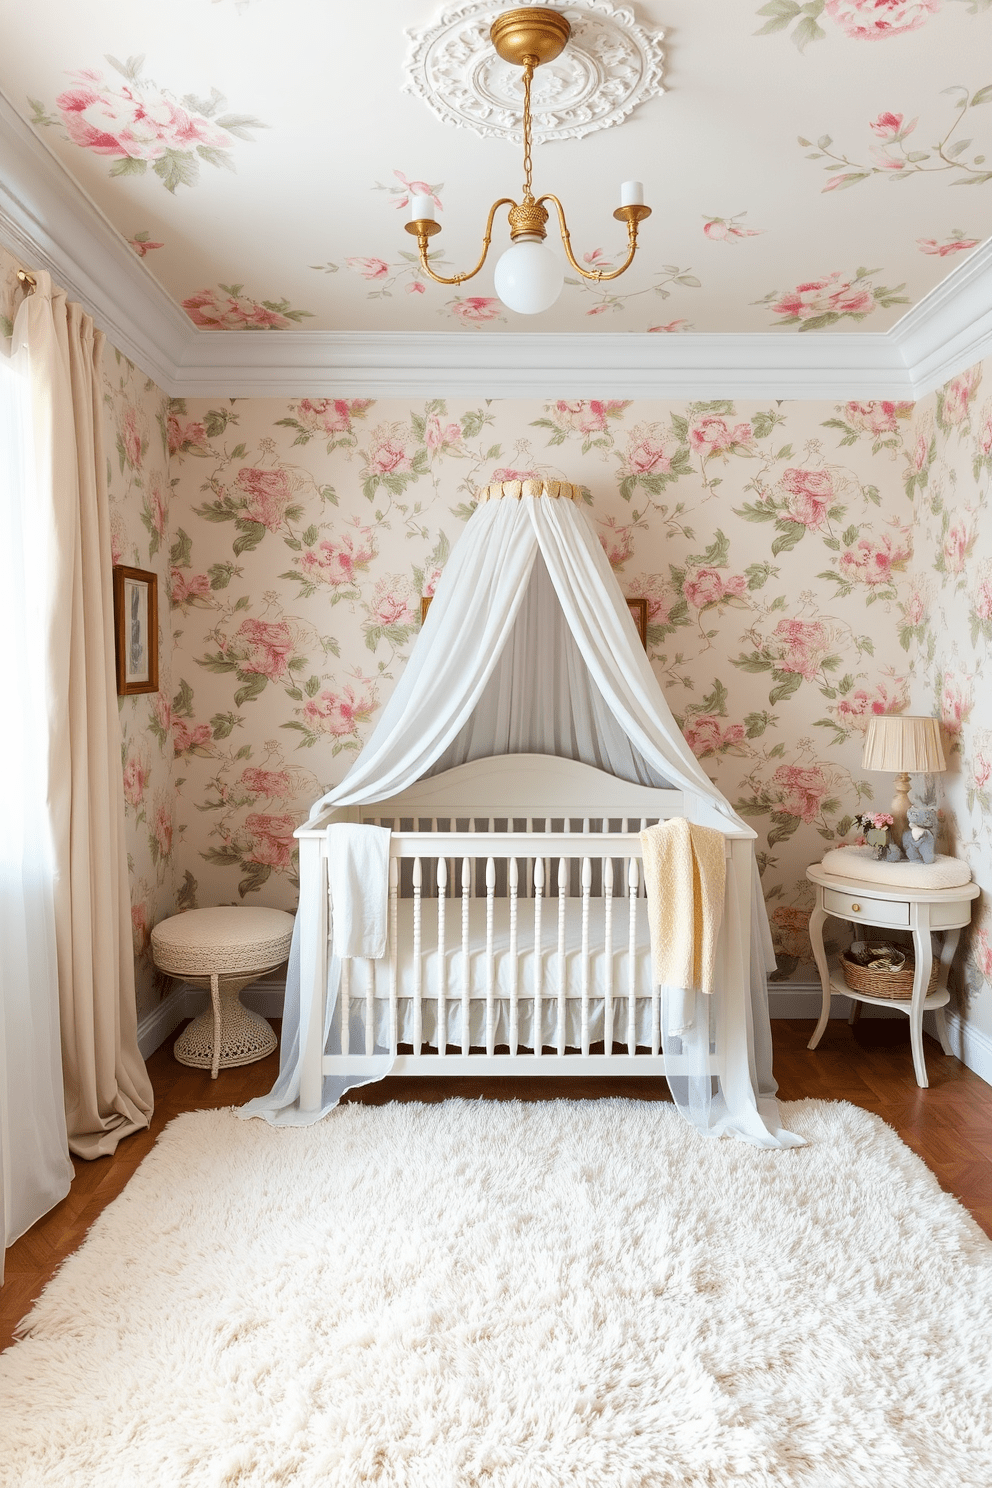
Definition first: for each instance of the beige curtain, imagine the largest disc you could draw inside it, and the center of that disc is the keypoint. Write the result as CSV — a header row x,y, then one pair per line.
x,y
107,1090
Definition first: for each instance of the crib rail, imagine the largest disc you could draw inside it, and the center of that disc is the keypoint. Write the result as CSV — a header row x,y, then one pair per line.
x,y
539,865
449,957
509,860
549,869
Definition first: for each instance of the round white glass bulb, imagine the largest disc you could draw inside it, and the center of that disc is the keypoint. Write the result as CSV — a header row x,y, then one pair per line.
x,y
528,278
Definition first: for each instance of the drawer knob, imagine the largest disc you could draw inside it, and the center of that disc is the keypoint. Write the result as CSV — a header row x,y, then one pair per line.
x,y
856,908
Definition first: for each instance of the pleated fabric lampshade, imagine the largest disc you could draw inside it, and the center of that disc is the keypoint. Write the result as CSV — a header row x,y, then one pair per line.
x,y
897,742
904,744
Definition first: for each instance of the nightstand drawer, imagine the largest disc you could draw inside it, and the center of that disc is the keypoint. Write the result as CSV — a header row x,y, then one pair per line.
x,y
862,907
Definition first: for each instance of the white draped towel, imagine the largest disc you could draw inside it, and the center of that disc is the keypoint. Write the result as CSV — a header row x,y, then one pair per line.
x,y
358,887
685,874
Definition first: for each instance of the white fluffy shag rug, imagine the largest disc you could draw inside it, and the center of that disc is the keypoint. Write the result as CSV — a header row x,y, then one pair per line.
x,y
514,1296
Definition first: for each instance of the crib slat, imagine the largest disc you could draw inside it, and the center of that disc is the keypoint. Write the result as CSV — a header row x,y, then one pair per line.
x,y
511,888
466,894
394,885
632,886
586,891
345,1004
562,902
418,965
490,957
538,957
608,955
442,966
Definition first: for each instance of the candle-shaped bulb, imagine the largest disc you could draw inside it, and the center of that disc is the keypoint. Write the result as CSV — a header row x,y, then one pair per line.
x,y
632,194
421,207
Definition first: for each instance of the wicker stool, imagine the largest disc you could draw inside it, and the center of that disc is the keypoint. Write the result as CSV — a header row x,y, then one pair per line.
x,y
223,949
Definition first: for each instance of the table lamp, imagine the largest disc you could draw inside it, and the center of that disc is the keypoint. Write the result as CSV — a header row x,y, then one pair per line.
x,y
905,745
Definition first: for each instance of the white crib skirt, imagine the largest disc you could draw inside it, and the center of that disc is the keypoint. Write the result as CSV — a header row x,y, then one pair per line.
x,y
376,975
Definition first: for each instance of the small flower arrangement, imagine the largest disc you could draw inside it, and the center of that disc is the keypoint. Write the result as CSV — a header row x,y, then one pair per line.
x,y
874,826
873,819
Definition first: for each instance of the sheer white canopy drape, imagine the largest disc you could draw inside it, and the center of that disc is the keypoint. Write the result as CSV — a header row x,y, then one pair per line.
x,y
35,1171
529,647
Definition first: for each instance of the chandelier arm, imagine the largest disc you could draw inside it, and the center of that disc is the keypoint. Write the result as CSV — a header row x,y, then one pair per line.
x,y
423,239
599,275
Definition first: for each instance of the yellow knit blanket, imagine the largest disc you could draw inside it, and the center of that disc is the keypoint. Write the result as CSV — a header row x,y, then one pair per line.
x,y
684,874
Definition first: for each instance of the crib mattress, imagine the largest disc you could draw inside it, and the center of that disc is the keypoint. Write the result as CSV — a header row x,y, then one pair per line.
x,y
377,973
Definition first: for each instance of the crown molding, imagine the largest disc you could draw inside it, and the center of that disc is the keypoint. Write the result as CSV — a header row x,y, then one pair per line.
x,y
578,364
951,327
49,222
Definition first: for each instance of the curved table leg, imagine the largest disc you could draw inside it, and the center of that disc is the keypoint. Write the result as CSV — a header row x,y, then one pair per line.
x,y
947,950
816,920
924,965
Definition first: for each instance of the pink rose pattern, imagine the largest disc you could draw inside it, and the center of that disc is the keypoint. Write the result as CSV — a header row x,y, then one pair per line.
x,y
956,243
137,124
809,496
140,526
729,229
819,303
886,156
790,797
227,308
874,561
876,20
858,20
476,310
708,586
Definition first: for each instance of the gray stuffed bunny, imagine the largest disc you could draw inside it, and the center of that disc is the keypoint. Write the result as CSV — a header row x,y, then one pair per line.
x,y
920,840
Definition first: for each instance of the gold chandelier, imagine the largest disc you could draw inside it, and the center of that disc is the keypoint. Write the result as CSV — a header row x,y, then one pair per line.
x,y
528,276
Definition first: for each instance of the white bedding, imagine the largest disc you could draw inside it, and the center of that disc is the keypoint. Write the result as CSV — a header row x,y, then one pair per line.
x,y
644,1015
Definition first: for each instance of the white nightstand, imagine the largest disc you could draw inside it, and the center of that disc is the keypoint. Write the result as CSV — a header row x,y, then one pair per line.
x,y
892,908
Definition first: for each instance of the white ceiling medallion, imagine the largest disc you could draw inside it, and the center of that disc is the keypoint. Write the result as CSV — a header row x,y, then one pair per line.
x,y
611,64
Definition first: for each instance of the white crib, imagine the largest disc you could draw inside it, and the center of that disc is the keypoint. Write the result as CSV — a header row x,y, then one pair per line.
x,y
518,936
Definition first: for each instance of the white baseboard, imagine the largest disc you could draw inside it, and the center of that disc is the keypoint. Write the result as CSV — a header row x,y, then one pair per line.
x,y
970,1045
155,1027
186,1002
785,1000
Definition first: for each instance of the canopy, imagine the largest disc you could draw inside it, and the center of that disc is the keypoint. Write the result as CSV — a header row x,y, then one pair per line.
x,y
529,647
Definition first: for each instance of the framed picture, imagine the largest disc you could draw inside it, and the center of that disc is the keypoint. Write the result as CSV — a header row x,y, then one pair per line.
x,y
136,630
638,613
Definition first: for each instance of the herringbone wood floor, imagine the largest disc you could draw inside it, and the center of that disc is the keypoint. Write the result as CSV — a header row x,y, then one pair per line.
x,y
949,1125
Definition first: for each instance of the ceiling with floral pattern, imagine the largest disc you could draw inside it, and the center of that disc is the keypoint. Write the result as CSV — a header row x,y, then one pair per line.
x,y
804,163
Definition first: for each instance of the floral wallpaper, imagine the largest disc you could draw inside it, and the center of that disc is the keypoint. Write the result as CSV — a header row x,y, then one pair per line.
x,y
773,542
136,124
945,629
140,496
834,210
9,297
857,20
806,566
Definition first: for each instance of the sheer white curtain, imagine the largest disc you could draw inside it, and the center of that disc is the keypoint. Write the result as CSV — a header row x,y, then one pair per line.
x,y
34,1154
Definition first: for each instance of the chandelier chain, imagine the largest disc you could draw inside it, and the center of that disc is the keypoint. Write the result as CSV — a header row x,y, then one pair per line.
x,y
529,65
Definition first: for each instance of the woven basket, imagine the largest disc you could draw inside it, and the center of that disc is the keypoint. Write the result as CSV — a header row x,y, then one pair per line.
x,y
897,985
